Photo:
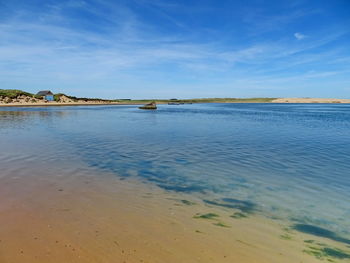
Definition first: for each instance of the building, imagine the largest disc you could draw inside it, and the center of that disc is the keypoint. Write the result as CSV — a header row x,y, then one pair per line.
x,y
46,94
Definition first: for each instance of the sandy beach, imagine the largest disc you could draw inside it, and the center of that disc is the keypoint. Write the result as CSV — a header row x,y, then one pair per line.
x,y
81,219
310,100
48,104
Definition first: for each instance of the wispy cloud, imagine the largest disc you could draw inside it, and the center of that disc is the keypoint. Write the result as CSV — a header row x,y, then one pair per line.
x,y
81,45
299,36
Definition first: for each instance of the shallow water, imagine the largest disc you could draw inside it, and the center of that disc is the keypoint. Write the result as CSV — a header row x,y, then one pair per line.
x,y
287,162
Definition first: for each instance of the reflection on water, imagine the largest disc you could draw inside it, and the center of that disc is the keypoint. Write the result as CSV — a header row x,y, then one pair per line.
x,y
22,118
284,161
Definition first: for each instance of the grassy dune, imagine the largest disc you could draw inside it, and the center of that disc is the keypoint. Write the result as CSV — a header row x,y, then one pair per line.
x,y
14,93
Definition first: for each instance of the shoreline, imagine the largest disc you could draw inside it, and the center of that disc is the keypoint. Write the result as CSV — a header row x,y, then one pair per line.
x,y
195,101
60,104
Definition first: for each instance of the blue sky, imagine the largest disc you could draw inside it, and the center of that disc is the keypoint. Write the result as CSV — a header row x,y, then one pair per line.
x,y
184,48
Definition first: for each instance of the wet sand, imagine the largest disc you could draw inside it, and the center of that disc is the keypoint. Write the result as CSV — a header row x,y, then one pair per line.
x,y
88,218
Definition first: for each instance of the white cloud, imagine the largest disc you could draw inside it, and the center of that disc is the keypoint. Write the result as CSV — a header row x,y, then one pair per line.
x,y
120,49
299,36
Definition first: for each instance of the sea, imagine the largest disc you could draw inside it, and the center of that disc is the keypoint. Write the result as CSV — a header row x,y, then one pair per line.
x,y
287,162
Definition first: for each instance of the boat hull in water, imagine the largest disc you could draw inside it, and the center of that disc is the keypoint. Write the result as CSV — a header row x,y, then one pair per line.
x,y
149,106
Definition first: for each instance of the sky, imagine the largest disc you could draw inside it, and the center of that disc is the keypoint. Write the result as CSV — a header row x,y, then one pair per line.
x,y
182,49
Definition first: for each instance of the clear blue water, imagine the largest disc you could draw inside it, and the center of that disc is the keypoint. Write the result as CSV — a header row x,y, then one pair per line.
x,y
284,161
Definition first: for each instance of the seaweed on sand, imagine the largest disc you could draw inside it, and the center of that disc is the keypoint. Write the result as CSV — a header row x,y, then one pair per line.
x,y
238,215
243,205
335,253
320,232
182,188
327,253
286,237
207,216
221,224
186,202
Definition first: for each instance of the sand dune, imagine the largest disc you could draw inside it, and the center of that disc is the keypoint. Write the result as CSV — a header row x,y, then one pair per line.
x,y
309,100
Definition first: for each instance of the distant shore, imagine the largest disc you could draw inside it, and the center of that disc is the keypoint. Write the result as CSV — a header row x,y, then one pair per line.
x,y
187,101
50,104
20,98
309,100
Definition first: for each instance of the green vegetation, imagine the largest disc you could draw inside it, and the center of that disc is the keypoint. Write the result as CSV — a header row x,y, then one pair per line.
x,y
335,253
327,253
287,229
322,251
316,253
243,205
186,202
221,224
58,95
314,242
286,237
207,216
238,215
14,93
320,232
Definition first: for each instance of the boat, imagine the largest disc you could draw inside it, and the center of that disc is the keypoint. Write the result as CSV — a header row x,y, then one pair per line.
x,y
149,106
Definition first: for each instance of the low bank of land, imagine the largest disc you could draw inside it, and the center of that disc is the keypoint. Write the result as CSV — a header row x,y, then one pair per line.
x,y
21,98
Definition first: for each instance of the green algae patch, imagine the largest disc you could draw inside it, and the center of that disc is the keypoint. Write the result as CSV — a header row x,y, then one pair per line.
x,y
314,253
320,232
198,231
221,224
325,253
242,205
286,237
206,216
186,202
287,229
238,215
309,241
336,253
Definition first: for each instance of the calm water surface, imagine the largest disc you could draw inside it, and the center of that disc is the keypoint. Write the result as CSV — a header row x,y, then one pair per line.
x,y
285,161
